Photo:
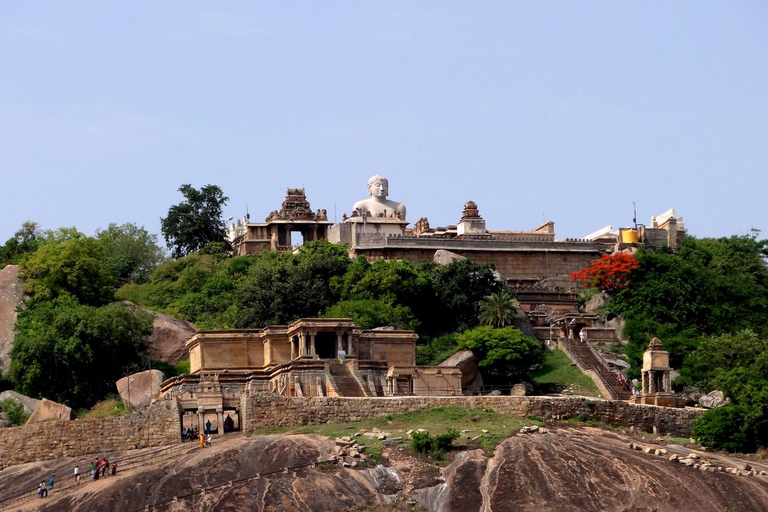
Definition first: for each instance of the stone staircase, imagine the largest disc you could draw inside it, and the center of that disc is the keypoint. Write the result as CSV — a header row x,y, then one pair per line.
x,y
587,359
345,383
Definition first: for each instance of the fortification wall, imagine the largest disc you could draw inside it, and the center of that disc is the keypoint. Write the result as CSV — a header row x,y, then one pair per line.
x,y
157,425
262,410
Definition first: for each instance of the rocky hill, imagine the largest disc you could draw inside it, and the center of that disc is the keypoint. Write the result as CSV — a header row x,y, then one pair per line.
x,y
565,469
11,297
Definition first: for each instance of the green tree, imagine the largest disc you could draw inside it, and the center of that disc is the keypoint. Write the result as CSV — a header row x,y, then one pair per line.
x,y
504,352
132,252
498,309
25,241
371,313
195,222
66,271
74,353
282,287
459,288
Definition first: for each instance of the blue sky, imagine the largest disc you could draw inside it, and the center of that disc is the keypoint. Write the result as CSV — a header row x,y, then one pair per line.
x,y
564,111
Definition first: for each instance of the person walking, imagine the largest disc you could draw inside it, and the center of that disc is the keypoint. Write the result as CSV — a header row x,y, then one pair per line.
x,y
202,441
209,440
77,475
582,336
50,482
208,427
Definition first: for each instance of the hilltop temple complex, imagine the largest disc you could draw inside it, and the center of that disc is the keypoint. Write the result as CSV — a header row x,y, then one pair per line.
x,y
315,357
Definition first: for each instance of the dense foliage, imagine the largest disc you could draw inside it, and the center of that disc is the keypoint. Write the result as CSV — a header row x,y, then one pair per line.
x,y
25,241
74,353
196,221
506,353
708,303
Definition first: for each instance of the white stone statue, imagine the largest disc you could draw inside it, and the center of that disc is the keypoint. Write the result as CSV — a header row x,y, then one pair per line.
x,y
378,205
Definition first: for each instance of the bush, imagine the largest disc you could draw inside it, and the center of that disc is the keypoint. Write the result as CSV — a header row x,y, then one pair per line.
x,y
14,411
435,446
725,428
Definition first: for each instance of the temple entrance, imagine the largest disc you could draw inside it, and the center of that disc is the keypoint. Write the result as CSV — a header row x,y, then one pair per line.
x,y
325,345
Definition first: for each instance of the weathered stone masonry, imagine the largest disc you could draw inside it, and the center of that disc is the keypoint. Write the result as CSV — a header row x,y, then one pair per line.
x,y
157,425
271,410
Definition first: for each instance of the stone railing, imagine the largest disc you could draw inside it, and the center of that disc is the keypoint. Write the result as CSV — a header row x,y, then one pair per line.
x,y
262,410
157,425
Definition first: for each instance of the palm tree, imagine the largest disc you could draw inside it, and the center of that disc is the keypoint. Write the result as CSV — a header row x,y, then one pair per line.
x,y
498,309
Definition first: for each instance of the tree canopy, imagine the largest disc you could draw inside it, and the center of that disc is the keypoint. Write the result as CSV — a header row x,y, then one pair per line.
x,y
195,222
74,353
504,352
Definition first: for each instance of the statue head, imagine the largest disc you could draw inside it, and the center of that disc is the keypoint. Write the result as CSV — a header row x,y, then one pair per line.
x,y
378,186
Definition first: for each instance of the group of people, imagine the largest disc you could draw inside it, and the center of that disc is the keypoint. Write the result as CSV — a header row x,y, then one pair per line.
x,y
43,487
97,467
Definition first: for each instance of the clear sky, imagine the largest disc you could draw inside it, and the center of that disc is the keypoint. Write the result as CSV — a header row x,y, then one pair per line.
x,y
564,111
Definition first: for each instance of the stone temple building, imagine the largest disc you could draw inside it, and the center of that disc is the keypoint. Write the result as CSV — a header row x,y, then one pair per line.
x,y
309,357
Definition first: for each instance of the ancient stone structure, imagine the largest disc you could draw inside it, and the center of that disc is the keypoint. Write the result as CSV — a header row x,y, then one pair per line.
x,y
156,425
310,357
274,234
657,384
262,410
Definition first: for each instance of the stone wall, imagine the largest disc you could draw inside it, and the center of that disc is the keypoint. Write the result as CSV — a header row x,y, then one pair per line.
x,y
263,410
157,425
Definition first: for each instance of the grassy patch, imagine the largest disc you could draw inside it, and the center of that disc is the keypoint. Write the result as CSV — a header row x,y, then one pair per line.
x,y
111,406
557,375
436,421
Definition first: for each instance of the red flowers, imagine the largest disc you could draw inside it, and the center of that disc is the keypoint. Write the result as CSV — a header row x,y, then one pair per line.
x,y
609,273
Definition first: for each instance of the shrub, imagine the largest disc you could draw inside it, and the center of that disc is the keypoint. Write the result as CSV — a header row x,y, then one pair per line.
x,y
725,428
435,446
14,411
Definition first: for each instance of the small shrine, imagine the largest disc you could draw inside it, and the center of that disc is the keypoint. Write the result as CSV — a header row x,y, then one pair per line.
x,y
657,382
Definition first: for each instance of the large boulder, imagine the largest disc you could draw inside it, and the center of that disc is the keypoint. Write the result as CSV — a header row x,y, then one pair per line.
x,y
471,380
137,390
50,410
169,337
443,257
29,404
11,297
713,399
597,303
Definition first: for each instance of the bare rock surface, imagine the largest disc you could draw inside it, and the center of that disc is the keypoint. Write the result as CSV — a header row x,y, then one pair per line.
x,y
138,389
301,487
29,404
169,337
50,410
597,303
549,469
11,297
713,399
587,469
443,257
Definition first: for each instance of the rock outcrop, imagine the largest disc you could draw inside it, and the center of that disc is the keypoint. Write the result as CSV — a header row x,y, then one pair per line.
x,y
29,404
167,341
50,410
713,399
471,380
586,469
11,297
137,390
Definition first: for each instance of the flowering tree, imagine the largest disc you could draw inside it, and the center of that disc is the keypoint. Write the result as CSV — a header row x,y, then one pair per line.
x,y
609,273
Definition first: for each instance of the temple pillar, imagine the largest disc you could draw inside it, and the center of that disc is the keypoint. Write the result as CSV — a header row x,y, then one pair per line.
x,y
302,344
338,343
219,420
200,420
293,350
312,350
